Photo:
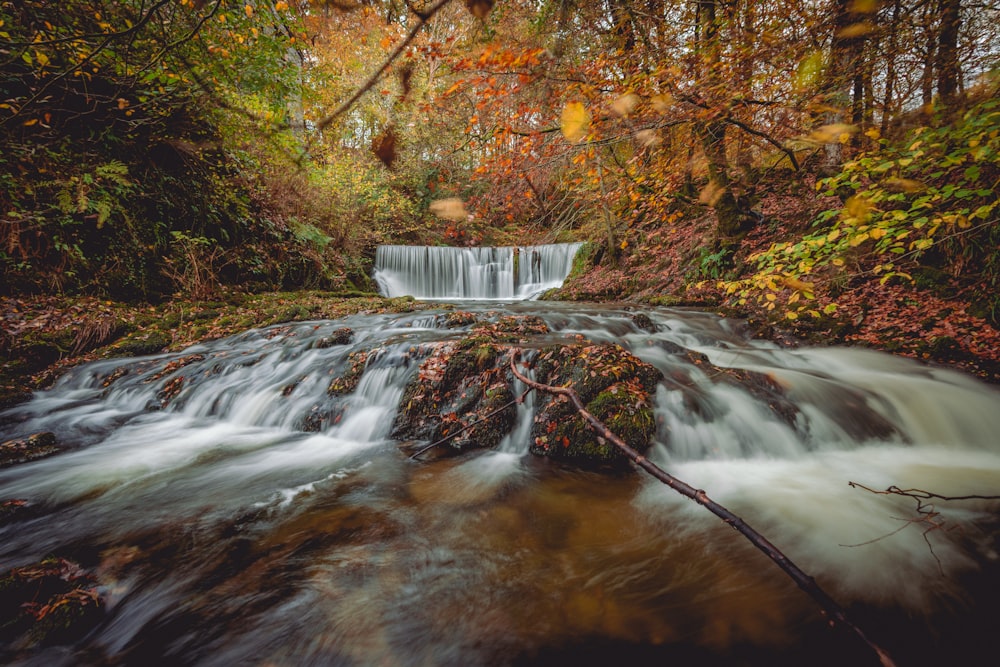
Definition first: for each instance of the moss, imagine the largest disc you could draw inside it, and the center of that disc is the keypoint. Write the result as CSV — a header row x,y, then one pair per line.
x,y
613,385
139,345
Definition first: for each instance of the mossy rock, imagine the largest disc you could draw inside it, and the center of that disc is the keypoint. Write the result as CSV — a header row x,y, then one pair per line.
x,y
462,394
614,386
342,336
151,342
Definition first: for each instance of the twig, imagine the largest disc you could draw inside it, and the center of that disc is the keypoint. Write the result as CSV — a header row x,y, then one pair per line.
x,y
828,605
448,437
927,512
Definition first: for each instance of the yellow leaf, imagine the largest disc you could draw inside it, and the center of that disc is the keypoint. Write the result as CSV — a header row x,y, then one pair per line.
x,y
837,261
574,121
857,207
873,133
833,133
797,284
624,244
648,138
877,233
863,6
42,59
856,30
810,70
30,122
249,10
791,315
281,6
858,240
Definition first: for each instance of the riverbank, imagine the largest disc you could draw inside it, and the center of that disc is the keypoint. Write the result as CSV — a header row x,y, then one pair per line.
x,y
43,336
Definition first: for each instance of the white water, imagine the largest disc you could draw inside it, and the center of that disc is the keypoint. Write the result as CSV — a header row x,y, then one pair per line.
x,y
359,556
444,273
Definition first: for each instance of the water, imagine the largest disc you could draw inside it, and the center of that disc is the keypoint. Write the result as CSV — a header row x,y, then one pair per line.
x,y
446,273
244,515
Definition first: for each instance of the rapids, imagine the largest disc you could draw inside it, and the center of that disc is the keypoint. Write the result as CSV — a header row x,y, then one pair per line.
x,y
245,515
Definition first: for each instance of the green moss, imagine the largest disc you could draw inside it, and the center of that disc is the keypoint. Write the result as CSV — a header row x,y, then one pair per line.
x,y
142,344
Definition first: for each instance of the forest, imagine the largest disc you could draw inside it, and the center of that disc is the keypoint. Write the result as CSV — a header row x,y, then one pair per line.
x,y
179,176
828,167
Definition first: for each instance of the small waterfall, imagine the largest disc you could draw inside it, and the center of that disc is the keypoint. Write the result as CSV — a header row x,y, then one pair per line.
x,y
502,273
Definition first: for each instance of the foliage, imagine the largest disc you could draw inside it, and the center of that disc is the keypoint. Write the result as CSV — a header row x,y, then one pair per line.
x,y
928,200
125,126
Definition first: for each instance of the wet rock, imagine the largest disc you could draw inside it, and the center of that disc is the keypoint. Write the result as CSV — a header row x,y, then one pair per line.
x,y
22,450
615,387
51,602
347,382
342,336
642,321
462,392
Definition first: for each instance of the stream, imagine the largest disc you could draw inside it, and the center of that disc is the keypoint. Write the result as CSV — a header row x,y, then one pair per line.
x,y
245,515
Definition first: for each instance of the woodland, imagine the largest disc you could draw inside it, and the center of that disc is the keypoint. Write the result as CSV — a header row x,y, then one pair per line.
x,y
177,171
827,168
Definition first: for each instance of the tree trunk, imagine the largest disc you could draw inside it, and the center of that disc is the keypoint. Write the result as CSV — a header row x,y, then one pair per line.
x,y
843,80
712,133
947,51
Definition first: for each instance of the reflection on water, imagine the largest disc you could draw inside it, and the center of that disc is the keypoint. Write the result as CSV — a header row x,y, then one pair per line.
x,y
226,529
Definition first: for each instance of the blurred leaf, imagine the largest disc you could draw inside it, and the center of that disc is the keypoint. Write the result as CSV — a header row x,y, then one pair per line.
x,y
574,121
479,8
624,105
452,208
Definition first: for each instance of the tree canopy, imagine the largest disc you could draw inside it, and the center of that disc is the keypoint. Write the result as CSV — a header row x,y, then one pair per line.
x,y
178,143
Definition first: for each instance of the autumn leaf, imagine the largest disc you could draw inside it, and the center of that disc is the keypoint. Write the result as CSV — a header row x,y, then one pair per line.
x,y
452,208
384,147
833,133
574,121
625,104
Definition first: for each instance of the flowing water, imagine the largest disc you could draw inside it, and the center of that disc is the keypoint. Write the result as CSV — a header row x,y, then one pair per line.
x,y
244,515
505,273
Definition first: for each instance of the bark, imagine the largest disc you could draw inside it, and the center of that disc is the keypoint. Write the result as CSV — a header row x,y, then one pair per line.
x,y
711,133
947,51
830,608
843,88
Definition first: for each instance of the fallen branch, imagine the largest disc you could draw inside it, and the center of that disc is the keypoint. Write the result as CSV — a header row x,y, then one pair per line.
x,y
829,607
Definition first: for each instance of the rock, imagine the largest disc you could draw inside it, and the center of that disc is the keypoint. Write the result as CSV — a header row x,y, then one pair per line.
x,y
342,336
22,450
456,392
51,602
614,386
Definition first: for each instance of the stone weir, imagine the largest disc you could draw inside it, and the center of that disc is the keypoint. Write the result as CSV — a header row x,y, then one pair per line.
x,y
510,273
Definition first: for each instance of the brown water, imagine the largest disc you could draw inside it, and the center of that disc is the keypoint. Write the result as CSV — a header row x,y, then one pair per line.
x,y
224,533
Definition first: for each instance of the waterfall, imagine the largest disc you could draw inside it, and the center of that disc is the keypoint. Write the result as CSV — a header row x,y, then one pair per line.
x,y
489,273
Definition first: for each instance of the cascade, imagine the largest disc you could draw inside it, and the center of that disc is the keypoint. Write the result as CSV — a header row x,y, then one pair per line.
x,y
242,501
446,273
